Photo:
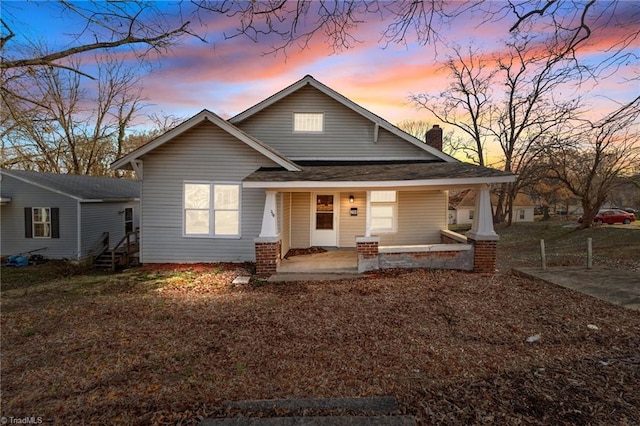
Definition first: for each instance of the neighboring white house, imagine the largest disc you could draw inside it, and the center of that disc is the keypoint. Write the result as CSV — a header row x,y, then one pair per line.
x,y
462,208
64,216
305,167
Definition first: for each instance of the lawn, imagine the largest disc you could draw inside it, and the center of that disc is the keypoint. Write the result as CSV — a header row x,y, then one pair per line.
x,y
158,345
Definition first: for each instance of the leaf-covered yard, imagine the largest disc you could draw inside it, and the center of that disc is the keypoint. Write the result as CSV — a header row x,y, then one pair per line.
x,y
169,344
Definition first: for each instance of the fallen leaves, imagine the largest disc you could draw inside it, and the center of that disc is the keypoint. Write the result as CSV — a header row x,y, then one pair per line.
x,y
165,345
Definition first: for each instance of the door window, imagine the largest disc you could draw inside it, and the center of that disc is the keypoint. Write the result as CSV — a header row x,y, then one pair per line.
x,y
324,212
128,220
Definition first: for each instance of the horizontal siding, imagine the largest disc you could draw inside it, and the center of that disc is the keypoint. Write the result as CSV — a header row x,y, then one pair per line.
x,y
346,133
300,219
204,153
98,218
421,216
22,194
352,226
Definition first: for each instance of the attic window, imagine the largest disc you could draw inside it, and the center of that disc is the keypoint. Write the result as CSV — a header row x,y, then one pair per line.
x,y
308,122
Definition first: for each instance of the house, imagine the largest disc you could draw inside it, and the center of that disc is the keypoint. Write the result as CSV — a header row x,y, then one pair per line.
x,y
65,216
462,207
306,167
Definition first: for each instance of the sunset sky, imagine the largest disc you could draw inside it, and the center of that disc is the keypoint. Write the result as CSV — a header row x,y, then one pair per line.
x,y
228,76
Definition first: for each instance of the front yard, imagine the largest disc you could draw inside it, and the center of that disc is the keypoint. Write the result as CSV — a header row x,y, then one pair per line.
x,y
169,344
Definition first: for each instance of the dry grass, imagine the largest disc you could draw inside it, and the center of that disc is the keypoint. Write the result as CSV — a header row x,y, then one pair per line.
x,y
165,345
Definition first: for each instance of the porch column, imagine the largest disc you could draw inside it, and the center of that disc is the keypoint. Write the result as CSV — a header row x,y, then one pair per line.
x,y
268,244
367,248
482,235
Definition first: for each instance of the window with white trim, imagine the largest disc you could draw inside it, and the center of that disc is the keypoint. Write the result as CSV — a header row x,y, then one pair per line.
x,y
41,222
471,214
308,122
211,209
384,211
522,214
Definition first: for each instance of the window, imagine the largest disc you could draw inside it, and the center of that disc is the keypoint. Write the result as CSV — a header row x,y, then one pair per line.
x,y
128,220
383,211
308,122
471,214
41,222
521,212
211,210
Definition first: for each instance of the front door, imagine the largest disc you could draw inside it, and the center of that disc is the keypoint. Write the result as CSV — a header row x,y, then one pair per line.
x,y
324,220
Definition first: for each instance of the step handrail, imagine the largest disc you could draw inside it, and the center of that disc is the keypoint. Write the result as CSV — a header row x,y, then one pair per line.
x,y
130,248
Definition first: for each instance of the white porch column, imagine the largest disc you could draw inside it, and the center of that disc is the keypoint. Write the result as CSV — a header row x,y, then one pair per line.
x,y
367,229
482,227
269,216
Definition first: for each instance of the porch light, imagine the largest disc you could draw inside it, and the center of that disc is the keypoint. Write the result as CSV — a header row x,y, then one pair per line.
x,y
351,199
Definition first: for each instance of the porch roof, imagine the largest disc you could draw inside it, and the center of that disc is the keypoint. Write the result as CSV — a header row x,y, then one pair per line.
x,y
379,174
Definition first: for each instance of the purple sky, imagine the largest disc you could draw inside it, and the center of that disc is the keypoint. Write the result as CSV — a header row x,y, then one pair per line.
x,y
230,76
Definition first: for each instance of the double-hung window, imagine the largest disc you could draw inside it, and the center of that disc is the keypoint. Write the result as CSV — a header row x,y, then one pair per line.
x,y
211,209
384,211
41,222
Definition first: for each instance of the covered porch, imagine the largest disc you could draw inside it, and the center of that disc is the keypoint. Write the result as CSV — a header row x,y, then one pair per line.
x,y
382,223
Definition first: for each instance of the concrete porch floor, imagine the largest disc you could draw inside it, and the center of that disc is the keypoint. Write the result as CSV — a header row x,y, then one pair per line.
x,y
333,261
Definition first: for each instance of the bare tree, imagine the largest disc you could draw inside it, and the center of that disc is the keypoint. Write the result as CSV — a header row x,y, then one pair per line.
x,y
509,101
602,156
56,125
105,26
465,103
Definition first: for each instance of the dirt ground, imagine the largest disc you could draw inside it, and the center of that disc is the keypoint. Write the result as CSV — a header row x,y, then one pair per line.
x,y
165,345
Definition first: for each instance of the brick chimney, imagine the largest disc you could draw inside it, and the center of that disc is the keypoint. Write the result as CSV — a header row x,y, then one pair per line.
x,y
434,137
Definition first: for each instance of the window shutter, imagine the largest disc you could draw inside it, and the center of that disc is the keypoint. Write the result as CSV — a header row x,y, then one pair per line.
x,y
28,223
55,222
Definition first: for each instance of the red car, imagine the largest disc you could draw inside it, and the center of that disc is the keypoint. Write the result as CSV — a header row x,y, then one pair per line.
x,y
611,216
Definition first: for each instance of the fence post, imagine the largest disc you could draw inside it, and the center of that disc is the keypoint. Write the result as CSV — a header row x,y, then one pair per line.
x,y
589,253
543,255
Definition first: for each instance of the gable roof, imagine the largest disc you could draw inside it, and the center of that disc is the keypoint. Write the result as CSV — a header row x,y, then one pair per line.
x,y
264,149
309,80
81,188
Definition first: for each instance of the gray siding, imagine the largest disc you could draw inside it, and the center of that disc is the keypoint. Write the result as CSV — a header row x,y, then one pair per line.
x,y
352,226
104,217
421,216
300,219
346,133
203,153
12,237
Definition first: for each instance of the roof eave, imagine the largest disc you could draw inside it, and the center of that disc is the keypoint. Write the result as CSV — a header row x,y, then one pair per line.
x,y
39,185
124,162
381,184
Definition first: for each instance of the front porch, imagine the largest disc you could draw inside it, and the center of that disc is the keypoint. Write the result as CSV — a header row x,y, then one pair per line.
x,y
338,261
419,238
392,215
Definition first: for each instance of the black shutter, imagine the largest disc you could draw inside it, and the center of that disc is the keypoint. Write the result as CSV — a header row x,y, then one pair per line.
x,y
28,222
55,222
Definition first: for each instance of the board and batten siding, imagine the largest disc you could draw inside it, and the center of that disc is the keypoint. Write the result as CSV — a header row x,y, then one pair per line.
x,y
300,220
98,218
204,153
421,216
346,135
12,228
352,226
